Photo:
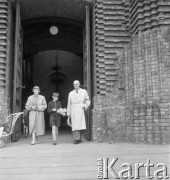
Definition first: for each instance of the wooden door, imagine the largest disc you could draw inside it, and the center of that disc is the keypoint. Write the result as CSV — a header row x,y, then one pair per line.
x,y
17,80
87,70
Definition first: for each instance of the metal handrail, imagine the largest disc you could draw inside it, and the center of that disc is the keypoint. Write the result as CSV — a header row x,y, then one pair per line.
x,y
14,117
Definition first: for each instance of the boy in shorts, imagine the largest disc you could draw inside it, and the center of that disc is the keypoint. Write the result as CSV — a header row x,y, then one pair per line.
x,y
55,117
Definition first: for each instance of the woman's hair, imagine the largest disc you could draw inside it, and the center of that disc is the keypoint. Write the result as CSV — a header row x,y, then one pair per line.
x,y
55,94
36,87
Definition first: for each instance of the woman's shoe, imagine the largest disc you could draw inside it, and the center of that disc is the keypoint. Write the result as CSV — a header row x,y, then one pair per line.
x,y
32,143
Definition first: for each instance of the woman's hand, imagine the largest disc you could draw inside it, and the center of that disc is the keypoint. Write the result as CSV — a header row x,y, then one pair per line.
x,y
33,108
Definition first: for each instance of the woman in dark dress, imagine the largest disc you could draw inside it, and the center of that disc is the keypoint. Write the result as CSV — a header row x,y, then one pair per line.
x,y
55,117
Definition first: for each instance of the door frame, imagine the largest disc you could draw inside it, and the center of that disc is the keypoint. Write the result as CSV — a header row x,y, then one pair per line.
x,y
87,69
17,80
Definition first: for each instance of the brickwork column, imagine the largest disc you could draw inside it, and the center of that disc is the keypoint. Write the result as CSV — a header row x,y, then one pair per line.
x,y
6,62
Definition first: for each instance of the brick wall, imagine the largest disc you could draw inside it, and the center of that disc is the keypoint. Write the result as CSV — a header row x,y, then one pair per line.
x,y
111,36
6,36
139,110
147,14
147,72
132,100
108,117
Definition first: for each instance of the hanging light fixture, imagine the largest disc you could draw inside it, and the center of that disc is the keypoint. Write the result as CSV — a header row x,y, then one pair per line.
x,y
53,30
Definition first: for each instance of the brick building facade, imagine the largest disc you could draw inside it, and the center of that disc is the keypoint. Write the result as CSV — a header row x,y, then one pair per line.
x,y
132,58
131,69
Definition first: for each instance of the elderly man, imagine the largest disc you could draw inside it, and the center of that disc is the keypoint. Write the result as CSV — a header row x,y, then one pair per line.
x,y
78,102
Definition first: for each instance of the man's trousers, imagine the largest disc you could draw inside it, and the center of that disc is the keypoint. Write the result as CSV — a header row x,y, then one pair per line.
x,y
76,135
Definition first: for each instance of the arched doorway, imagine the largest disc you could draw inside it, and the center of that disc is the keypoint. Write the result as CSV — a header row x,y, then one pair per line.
x,y
72,40
46,54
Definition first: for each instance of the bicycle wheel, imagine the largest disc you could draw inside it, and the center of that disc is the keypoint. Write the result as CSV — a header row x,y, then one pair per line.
x,y
1,143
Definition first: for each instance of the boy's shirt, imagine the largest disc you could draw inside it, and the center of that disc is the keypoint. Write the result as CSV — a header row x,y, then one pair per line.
x,y
54,105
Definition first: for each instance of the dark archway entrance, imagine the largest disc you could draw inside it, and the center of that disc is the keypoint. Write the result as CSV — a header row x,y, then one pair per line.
x,y
45,54
73,38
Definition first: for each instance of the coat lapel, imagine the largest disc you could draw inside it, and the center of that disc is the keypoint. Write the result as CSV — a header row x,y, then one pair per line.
x,y
77,96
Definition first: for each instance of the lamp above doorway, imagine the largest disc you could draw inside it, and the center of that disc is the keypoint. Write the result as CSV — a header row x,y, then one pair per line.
x,y
53,30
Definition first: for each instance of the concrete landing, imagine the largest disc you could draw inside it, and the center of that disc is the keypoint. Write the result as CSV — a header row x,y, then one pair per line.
x,y
66,161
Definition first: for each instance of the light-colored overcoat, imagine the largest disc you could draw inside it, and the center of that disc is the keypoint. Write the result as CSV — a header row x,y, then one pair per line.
x,y
77,103
36,118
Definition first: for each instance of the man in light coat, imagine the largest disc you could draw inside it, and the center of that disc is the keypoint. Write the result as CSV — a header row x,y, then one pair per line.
x,y
78,102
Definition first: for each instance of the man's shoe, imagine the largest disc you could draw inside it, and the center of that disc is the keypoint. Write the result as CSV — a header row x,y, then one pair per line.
x,y
76,142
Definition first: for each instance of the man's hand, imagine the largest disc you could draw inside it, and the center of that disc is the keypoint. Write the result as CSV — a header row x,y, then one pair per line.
x,y
84,106
69,121
53,109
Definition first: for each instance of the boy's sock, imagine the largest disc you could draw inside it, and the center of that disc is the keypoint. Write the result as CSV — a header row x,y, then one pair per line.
x,y
54,135
33,139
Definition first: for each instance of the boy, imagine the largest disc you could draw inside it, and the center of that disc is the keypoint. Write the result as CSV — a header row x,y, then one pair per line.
x,y
55,117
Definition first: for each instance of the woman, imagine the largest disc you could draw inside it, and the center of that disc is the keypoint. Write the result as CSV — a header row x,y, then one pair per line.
x,y
36,104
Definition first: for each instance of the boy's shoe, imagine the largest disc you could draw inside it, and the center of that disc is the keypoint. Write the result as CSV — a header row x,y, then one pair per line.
x,y
54,142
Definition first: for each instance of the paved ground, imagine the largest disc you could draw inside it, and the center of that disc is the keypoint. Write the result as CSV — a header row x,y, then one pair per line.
x,y
22,161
